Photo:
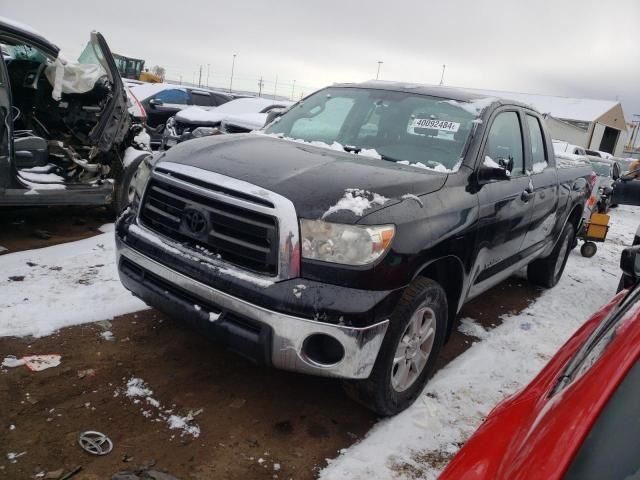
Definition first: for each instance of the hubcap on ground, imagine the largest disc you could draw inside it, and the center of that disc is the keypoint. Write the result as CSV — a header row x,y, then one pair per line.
x,y
414,349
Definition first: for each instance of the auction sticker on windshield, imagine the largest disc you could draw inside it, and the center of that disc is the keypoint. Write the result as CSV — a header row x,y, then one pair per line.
x,y
435,124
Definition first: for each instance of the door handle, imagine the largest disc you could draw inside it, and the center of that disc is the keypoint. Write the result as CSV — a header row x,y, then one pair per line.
x,y
526,195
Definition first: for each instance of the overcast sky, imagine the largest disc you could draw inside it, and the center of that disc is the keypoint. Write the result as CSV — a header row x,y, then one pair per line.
x,y
581,48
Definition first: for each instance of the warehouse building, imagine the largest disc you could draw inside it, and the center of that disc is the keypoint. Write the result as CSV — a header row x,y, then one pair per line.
x,y
592,124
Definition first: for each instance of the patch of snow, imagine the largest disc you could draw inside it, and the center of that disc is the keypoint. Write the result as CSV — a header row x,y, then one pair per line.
x,y
13,457
137,390
44,169
357,201
107,228
176,422
131,154
73,283
469,327
411,196
490,162
338,147
474,107
298,289
213,317
108,336
440,168
12,362
461,394
41,177
200,116
539,167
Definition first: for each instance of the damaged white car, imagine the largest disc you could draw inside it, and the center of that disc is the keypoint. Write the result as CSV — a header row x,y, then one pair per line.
x,y
66,135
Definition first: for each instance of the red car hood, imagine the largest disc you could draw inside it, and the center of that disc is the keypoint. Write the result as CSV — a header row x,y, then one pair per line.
x,y
530,435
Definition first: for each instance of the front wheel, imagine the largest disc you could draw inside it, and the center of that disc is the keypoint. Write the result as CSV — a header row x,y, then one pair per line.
x,y
546,272
408,354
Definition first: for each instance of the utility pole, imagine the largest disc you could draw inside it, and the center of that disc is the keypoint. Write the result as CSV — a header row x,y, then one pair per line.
x,y
442,76
208,67
200,77
292,89
260,85
380,62
233,64
194,79
275,88
180,79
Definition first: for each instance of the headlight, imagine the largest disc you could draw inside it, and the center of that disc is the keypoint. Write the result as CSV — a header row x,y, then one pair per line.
x,y
346,244
204,132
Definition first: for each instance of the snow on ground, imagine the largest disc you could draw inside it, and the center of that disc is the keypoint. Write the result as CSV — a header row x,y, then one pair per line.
x,y
140,394
419,442
46,289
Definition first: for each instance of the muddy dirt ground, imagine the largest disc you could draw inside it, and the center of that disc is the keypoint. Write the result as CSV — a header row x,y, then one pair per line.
x,y
254,422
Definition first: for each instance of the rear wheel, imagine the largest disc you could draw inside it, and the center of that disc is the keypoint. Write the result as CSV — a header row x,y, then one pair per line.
x,y
407,357
546,272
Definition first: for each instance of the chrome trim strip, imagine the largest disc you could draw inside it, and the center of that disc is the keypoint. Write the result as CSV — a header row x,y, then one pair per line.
x,y
284,211
361,345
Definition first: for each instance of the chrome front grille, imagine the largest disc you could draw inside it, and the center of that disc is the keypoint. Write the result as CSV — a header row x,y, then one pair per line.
x,y
223,219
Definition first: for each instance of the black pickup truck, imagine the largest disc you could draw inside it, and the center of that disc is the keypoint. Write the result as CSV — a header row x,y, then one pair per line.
x,y
343,239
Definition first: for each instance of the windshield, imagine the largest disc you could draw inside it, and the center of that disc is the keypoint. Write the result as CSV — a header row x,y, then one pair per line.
x,y
408,128
601,169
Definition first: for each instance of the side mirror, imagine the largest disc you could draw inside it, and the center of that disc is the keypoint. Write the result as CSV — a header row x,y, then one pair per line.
x,y
491,170
487,174
630,262
273,114
156,102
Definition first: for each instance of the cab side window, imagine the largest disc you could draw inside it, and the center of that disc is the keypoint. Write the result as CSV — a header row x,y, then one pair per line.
x,y
505,141
538,153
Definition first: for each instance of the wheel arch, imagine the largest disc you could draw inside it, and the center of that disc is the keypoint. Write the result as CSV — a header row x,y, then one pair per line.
x,y
448,271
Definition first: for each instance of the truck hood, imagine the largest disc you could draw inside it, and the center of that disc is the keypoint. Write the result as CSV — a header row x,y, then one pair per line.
x,y
314,178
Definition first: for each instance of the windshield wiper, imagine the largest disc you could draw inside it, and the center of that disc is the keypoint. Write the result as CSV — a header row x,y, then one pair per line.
x,y
352,149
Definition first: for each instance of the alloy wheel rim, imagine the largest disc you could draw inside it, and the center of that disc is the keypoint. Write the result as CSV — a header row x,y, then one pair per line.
x,y
414,349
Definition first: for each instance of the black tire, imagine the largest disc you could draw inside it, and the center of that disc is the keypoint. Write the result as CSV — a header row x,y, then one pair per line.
x,y
123,177
377,392
588,249
546,272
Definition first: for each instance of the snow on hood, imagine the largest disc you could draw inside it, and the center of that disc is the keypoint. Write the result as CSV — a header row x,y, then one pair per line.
x,y
201,116
250,121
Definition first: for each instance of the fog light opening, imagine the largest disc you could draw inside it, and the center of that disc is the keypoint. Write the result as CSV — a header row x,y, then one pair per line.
x,y
322,349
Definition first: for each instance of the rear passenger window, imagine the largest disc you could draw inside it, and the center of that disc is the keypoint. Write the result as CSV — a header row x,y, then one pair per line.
x,y
200,98
173,96
538,153
505,141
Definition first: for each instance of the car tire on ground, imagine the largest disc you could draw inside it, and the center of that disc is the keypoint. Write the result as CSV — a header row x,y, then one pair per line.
x,y
416,333
546,272
588,249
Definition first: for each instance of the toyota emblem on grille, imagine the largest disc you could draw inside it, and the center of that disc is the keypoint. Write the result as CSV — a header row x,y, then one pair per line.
x,y
195,221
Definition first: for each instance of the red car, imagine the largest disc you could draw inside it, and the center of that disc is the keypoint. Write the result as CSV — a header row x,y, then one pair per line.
x,y
580,417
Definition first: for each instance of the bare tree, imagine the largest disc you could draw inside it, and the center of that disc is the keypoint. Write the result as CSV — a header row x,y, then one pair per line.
x,y
159,71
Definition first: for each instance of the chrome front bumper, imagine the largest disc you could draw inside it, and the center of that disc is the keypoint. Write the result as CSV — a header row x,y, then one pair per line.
x,y
361,345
